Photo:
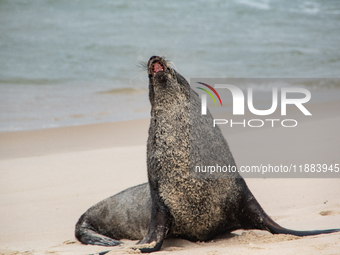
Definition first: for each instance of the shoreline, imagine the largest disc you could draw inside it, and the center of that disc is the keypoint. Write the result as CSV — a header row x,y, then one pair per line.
x,y
39,142
73,138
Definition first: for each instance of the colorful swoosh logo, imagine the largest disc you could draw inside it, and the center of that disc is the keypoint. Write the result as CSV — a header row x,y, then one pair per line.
x,y
208,92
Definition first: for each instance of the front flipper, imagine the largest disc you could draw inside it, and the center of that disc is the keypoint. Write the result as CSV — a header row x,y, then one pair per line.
x,y
158,229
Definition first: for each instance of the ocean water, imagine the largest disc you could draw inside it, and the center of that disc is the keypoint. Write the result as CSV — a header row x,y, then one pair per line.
x,y
76,62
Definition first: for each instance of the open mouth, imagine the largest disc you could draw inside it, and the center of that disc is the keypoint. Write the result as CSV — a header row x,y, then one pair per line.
x,y
157,67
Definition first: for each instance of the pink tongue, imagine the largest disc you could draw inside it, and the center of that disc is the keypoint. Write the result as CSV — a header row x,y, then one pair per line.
x,y
157,67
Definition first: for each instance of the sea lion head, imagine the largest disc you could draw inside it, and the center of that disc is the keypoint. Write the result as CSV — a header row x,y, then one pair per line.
x,y
165,84
159,70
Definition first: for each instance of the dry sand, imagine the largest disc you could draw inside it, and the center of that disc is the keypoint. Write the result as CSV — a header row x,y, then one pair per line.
x,y
50,177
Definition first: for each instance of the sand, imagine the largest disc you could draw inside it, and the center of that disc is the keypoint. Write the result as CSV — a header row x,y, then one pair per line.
x,y
50,177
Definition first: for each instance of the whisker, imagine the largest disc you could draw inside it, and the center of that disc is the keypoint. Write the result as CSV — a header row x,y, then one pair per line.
x,y
172,63
142,65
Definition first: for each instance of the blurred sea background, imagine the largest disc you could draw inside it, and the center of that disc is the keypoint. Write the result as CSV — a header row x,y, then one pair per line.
x,y
75,62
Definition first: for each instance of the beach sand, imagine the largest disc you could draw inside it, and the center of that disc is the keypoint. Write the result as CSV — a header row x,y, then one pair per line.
x,y
50,177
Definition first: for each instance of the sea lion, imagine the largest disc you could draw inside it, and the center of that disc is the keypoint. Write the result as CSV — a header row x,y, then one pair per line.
x,y
177,201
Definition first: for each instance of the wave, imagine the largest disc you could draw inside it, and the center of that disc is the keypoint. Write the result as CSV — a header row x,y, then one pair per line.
x,y
259,4
308,8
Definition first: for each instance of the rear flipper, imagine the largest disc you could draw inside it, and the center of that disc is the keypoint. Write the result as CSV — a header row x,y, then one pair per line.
x,y
254,217
88,236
